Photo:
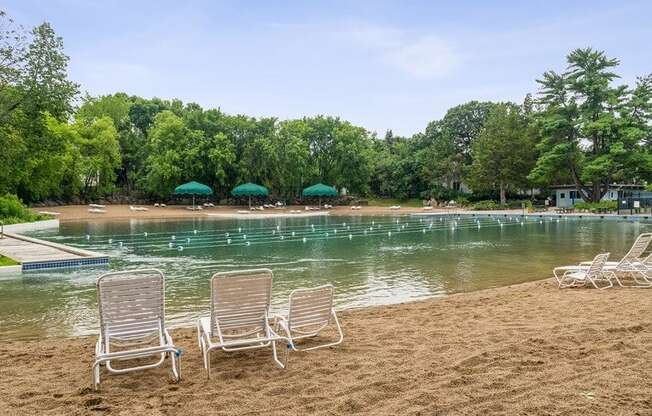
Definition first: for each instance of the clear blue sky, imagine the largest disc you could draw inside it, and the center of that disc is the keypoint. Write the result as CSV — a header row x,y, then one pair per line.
x,y
379,64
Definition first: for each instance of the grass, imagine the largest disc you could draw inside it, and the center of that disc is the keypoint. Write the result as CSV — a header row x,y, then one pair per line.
x,y
6,261
388,202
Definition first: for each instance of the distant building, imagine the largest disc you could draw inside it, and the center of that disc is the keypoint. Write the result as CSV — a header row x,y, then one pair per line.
x,y
566,196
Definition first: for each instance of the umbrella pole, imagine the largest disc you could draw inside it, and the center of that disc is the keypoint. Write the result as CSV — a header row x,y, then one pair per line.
x,y
320,202
249,202
193,202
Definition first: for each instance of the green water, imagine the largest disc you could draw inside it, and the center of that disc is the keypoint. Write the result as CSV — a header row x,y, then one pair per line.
x,y
367,265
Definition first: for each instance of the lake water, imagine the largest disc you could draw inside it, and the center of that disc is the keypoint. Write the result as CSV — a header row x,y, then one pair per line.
x,y
370,260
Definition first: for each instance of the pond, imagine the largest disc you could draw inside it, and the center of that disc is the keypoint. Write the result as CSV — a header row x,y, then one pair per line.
x,y
370,260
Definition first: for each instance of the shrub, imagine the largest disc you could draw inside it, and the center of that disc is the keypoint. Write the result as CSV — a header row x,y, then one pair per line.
x,y
463,201
485,205
12,211
518,203
597,206
443,194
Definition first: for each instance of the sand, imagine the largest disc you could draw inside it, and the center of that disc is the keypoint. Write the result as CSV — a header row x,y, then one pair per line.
x,y
80,212
525,349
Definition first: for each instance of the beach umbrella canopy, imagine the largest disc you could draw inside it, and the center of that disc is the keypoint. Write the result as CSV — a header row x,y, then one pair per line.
x,y
320,190
193,188
249,189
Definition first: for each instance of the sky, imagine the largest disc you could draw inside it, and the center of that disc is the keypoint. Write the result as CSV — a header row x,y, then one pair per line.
x,y
378,64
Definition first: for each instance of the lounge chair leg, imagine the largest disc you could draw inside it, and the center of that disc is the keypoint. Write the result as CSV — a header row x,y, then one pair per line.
x,y
282,364
207,362
198,334
95,375
176,366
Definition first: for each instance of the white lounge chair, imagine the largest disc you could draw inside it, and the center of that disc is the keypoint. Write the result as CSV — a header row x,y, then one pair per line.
x,y
310,312
97,211
133,208
395,207
592,274
97,206
54,214
132,322
633,264
239,315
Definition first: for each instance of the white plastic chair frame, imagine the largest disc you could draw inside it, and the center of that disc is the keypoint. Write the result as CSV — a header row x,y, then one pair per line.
x,y
239,315
631,264
310,312
593,274
131,306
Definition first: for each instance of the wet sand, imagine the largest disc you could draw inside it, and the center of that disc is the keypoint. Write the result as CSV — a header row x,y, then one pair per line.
x,y
524,349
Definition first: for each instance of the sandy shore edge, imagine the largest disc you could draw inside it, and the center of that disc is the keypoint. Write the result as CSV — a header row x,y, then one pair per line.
x,y
523,349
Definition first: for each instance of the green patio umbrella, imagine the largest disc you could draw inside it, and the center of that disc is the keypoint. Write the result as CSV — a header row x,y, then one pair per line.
x,y
193,188
249,189
320,190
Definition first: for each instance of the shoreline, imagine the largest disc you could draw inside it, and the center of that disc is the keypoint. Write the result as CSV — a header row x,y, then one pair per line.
x,y
525,348
71,213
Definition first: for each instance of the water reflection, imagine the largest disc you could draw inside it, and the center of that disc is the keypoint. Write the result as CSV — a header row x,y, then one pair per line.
x,y
366,264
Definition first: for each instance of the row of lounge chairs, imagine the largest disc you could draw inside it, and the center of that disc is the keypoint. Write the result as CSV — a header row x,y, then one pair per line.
x,y
132,320
633,270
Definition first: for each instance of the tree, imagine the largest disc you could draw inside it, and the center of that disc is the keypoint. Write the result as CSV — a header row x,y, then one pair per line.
x,y
13,42
46,85
502,153
590,128
167,145
92,155
45,90
448,156
132,141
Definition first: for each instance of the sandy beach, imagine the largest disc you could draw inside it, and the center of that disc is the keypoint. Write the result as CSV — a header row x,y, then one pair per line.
x,y
524,349
80,212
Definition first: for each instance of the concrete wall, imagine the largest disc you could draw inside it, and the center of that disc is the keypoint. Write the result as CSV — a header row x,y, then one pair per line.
x,y
31,226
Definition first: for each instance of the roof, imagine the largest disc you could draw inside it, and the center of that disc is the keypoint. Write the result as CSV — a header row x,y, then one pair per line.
x,y
613,186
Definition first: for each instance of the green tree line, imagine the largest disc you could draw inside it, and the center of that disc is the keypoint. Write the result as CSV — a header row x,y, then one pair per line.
x,y
581,127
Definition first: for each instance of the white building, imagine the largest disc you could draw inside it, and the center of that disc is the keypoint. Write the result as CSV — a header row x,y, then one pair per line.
x,y
566,196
